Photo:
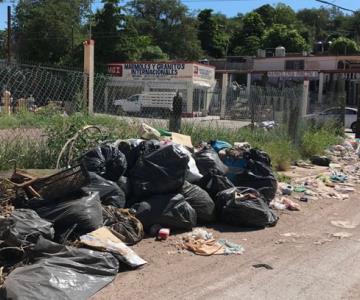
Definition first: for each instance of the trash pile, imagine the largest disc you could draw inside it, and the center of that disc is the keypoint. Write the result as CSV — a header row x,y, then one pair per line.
x,y
337,179
71,231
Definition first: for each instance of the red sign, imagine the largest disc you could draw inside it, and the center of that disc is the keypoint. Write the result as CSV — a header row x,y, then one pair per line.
x,y
116,70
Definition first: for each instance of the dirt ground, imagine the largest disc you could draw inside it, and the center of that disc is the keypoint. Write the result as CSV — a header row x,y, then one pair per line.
x,y
307,262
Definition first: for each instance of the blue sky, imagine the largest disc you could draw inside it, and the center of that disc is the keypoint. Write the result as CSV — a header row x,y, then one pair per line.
x,y
227,7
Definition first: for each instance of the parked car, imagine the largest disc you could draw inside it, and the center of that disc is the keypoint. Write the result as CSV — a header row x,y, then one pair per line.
x,y
334,113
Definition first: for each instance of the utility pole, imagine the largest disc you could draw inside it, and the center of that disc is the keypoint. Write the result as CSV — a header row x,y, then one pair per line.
x,y
9,33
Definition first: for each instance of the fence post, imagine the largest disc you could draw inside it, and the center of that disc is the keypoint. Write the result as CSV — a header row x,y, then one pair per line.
x,y
223,95
321,87
89,74
304,99
106,99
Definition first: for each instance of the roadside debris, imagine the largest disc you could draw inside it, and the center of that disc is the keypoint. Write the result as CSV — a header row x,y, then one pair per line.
x,y
344,224
265,266
157,184
202,243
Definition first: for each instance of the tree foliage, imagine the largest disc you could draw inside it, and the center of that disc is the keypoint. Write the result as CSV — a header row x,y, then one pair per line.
x,y
344,46
44,30
213,33
281,35
52,31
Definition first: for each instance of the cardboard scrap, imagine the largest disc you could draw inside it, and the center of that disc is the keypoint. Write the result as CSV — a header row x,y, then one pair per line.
x,y
182,139
104,240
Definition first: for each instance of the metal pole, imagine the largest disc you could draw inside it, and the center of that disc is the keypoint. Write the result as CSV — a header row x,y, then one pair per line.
x,y
9,33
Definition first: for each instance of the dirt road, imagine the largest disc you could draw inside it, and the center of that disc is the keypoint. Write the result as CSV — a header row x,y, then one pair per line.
x,y
307,262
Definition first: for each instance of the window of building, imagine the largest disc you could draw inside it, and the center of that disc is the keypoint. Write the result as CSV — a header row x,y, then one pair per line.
x,y
294,65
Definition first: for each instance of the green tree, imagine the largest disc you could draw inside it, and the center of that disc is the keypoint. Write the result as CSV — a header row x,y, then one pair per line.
x,y
344,46
213,33
153,53
250,46
253,25
281,35
267,14
316,20
169,25
43,30
285,15
106,31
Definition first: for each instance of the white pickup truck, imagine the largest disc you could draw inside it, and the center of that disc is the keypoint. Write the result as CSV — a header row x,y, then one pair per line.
x,y
147,102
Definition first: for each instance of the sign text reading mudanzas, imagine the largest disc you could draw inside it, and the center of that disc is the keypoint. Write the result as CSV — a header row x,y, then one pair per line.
x,y
154,69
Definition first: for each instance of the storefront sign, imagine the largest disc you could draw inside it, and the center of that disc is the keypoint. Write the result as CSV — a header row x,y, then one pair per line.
x,y
293,74
161,71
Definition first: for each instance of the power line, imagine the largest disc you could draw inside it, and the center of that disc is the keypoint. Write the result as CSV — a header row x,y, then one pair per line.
x,y
337,6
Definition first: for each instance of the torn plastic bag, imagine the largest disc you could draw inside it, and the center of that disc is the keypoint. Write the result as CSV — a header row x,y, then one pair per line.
x,y
106,161
170,210
60,272
159,172
258,155
258,176
105,240
200,201
110,193
84,213
218,145
207,159
123,224
214,183
235,166
23,227
192,172
241,206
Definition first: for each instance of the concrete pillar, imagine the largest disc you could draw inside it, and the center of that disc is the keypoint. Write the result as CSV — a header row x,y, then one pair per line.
x,y
190,96
224,89
321,87
248,85
89,73
305,98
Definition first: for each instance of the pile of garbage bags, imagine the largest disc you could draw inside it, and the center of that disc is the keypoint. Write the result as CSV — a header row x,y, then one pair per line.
x,y
122,190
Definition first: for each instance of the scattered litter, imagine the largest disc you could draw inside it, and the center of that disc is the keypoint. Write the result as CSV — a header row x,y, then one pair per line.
x,y
212,247
304,199
341,235
299,189
104,240
344,189
344,224
265,266
291,234
163,234
285,203
322,241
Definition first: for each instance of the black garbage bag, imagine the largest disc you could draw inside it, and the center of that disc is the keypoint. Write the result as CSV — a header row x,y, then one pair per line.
x,y
60,272
200,201
159,172
134,148
124,184
207,159
258,176
322,161
84,214
214,182
258,155
23,227
106,161
123,224
170,210
110,193
241,206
